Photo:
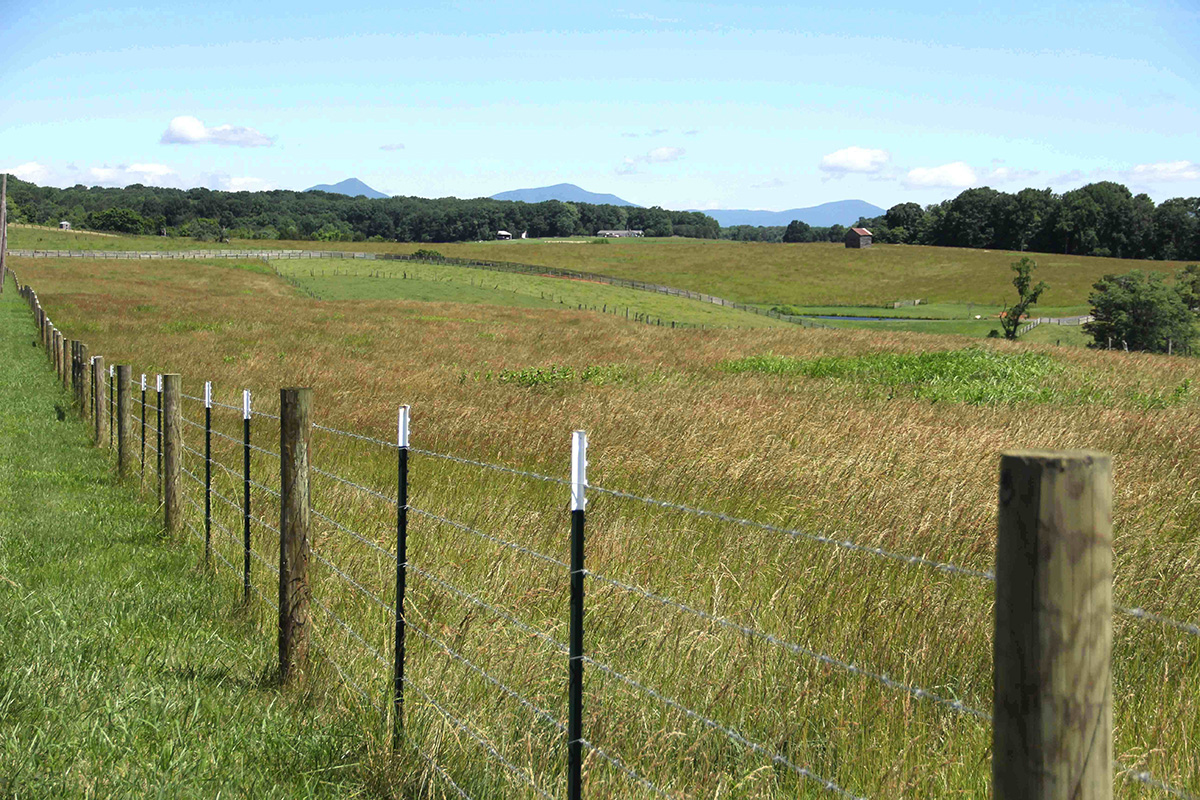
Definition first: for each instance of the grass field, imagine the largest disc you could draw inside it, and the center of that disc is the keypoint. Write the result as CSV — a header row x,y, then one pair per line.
x,y
756,423
123,671
748,272
390,280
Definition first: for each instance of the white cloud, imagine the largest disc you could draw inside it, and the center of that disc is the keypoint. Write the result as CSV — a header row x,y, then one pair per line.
x,y
1009,174
773,183
125,174
659,155
956,175
855,159
391,147
248,184
641,15
30,171
189,130
1165,171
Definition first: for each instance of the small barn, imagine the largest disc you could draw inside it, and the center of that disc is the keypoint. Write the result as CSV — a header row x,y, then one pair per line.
x,y
858,238
64,226
503,235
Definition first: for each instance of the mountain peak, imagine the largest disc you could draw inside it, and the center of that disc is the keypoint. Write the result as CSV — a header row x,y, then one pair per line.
x,y
352,187
566,192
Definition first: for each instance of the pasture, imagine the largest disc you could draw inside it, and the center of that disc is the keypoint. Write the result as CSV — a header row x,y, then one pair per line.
x,y
754,423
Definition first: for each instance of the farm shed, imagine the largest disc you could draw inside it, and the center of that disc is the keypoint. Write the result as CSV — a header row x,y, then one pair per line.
x,y
858,238
618,234
503,235
64,225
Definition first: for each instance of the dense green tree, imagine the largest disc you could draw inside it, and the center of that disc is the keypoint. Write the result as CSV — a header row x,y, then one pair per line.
x,y
904,215
120,220
1140,311
797,231
1188,283
1026,296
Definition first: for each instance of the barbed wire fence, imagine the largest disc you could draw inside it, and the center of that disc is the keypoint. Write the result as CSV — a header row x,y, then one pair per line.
x,y
506,656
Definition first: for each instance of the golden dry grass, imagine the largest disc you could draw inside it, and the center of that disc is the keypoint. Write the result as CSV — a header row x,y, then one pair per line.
x,y
843,459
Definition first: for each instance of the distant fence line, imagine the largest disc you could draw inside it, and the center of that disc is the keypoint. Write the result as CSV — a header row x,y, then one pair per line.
x,y
471,263
1052,580
1033,323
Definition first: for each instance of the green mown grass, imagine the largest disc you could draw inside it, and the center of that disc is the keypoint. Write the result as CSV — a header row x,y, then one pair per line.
x,y
124,670
443,283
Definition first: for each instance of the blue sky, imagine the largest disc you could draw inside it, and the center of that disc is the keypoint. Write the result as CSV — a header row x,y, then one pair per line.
x,y
681,104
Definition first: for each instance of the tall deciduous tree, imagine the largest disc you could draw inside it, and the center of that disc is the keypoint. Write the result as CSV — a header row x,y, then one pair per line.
x,y
1026,296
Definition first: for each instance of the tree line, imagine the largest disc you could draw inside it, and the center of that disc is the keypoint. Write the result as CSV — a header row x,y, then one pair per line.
x,y
1100,219
283,214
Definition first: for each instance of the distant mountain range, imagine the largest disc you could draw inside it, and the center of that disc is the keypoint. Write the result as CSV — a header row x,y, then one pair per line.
x,y
840,212
567,192
351,186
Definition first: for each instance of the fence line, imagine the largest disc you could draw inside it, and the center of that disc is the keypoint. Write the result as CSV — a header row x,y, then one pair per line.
x,y
578,485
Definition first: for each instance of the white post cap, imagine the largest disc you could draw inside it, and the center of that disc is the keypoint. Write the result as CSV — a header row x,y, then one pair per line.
x,y
578,470
208,394
245,404
402,427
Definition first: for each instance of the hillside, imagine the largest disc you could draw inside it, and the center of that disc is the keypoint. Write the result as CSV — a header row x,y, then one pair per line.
x,y
840,212
351,187
566,192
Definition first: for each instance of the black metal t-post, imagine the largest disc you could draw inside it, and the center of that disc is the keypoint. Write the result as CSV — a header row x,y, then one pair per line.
x,y
401,573
575,650
246,496
207,472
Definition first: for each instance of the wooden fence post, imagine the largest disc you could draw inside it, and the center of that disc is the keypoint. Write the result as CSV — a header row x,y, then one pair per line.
x,y
78,371
100,400
172,451
1052,718
295,435
124,421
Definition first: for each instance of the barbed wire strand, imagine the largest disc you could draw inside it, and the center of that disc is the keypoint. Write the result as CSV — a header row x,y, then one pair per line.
x,y
354,485
1147,779
550,640
913,691
1149,616
776,758
355,534
494,467
845,544
465,728
629,771
362,589
490,538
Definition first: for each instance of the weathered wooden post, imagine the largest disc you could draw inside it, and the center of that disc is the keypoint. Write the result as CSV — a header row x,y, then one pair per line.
x,y
295,435
172,452
1052,737
124,421
79,370
99,395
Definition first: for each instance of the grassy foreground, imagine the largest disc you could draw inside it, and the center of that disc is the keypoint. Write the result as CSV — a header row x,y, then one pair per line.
x,y
118,675
834,432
